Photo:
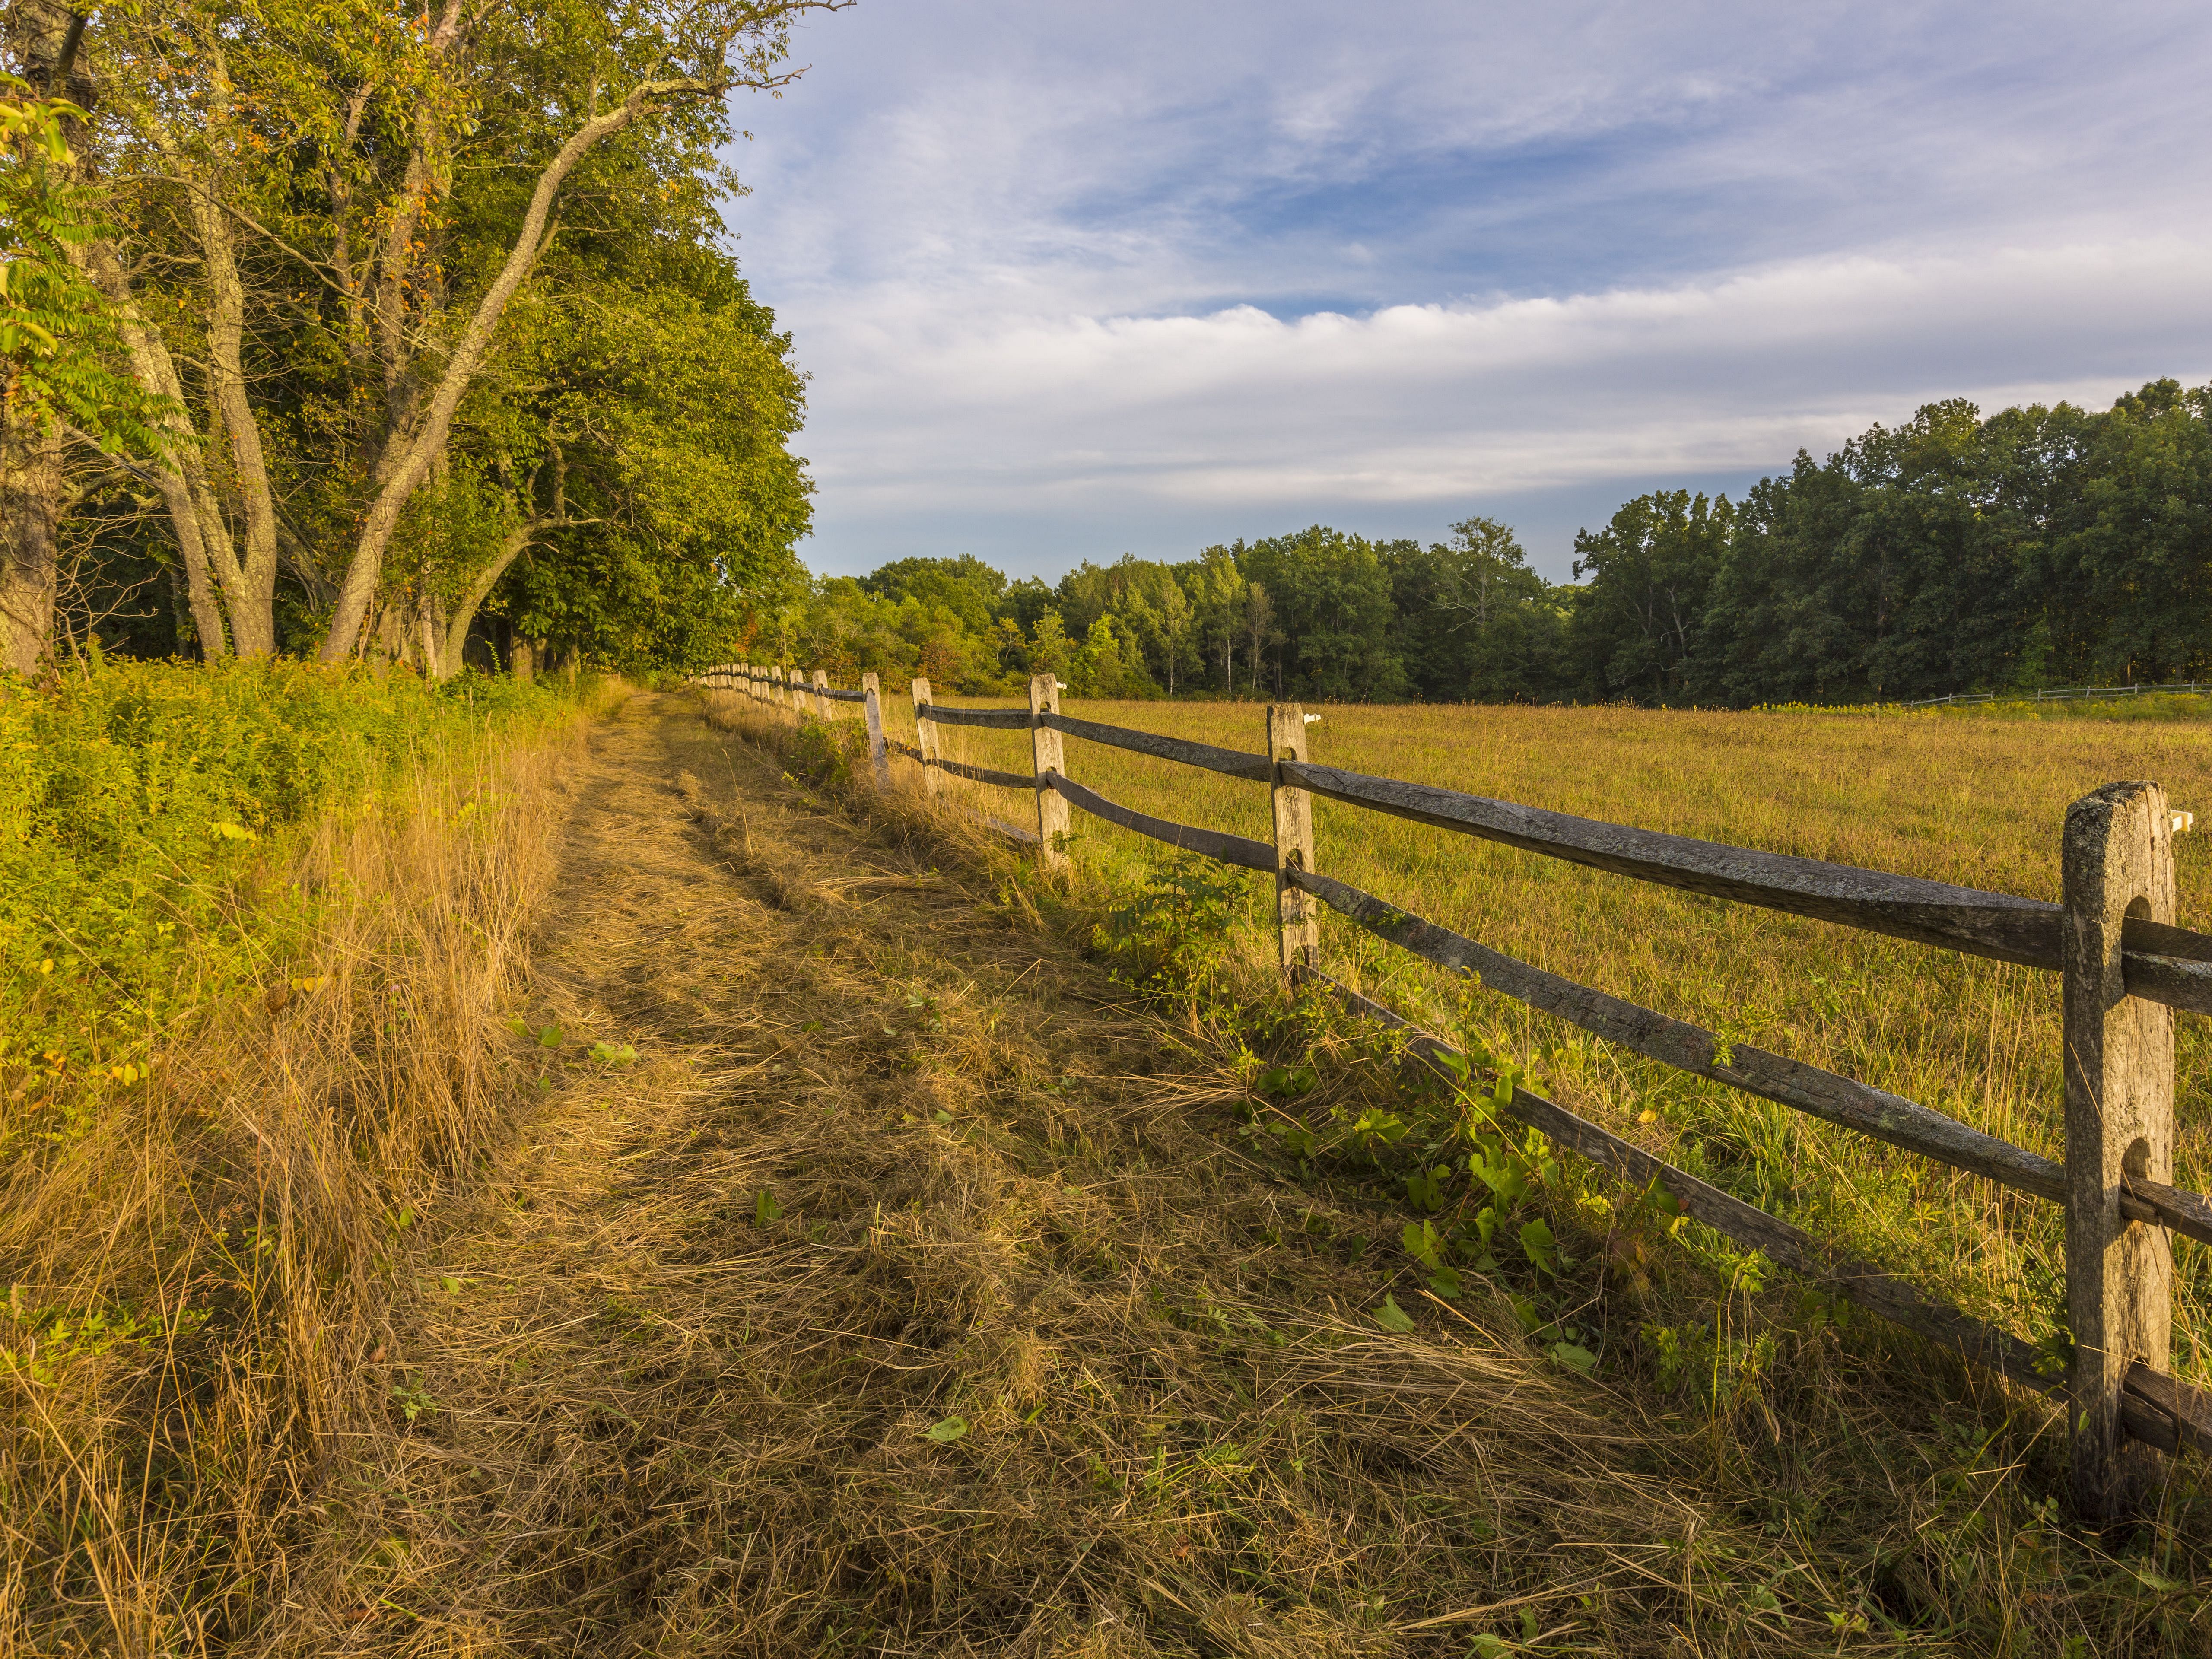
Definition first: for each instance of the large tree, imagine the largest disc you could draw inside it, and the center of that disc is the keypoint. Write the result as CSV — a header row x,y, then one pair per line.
x,y
322,219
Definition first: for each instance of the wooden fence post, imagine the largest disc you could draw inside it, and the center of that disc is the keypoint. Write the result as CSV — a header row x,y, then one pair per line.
x,y
1295,914
871,705
2116,862
782,687
1045,750
822,703
925,737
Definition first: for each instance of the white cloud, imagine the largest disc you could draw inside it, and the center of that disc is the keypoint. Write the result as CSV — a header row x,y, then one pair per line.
x,y
1440,401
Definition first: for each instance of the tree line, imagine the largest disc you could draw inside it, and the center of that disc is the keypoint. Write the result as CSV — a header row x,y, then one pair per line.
x,y
345,327
2036,546
349,329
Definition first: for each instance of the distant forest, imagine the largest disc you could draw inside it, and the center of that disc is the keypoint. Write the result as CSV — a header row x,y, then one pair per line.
x,y
2036,547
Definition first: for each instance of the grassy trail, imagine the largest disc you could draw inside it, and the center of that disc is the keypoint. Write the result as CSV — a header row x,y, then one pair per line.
x,y
908,1296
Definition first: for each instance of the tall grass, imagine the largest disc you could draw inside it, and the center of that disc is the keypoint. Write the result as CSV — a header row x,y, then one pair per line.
x,y
260,921
1974,800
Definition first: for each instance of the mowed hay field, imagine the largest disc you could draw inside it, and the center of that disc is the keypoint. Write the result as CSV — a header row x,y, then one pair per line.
x,y
1969,799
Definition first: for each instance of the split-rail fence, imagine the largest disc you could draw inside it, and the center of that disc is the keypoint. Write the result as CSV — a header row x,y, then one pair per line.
x,y
2126,968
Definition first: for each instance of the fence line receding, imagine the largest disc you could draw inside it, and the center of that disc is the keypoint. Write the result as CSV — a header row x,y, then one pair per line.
x,y
2125,963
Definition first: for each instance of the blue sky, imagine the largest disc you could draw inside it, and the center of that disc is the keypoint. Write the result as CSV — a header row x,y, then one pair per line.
x,y
1077,281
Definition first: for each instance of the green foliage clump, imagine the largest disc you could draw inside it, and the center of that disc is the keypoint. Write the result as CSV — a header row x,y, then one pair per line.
x,y
827,754
1171,934
140,802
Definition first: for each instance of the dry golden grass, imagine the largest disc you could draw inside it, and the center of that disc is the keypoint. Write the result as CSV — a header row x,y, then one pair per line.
x,y
1917,1495
200,1282
893,1156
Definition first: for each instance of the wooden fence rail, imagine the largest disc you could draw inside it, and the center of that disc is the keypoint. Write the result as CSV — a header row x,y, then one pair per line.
x,y
2125,966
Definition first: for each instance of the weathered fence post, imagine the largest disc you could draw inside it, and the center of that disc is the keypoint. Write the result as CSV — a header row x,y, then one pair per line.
x,y
871,705
822,703
783,683
2116,862
1295,912
1046,756
925,737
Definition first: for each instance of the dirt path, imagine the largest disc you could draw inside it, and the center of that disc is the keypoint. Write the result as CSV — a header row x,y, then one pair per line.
x,y
908,1294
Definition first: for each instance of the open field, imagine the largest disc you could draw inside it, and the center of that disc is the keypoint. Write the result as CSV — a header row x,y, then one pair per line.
x,y
1967,799
690,1210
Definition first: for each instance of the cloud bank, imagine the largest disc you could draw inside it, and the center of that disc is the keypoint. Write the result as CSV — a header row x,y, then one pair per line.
x,y
1073,281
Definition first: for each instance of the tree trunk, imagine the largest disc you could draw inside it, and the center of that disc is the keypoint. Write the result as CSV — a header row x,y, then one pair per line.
x,y
203,537
522,659
44,32
253,597
426,626
465,613
30,509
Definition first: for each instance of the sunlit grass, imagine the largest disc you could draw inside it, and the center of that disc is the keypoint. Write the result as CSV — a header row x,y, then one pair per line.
x,y
1967,799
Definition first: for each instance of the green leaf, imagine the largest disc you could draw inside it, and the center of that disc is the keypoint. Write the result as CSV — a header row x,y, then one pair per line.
x,y
947,1431
1574,1356
1445,1283
1425,1188
518,1025
550,1037
1541,1247
766,1209
1423,1243
1392,1317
